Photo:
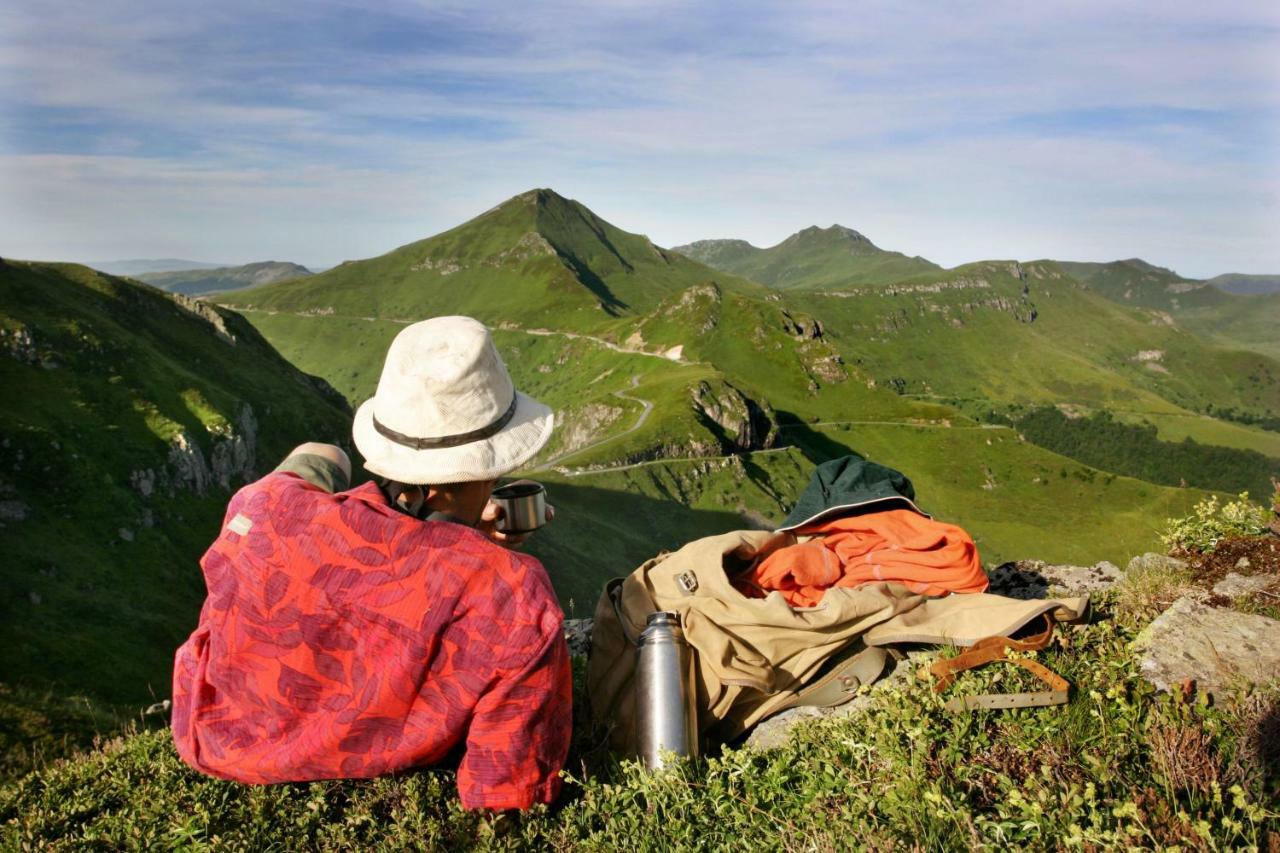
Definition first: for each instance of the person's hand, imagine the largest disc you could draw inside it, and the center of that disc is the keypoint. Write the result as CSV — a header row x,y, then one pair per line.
x,y
492,514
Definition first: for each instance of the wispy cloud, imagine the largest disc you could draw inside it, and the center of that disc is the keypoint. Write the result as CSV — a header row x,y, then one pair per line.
x,y
325,130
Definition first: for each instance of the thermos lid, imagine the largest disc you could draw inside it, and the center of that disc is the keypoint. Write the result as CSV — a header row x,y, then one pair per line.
x,y
660,627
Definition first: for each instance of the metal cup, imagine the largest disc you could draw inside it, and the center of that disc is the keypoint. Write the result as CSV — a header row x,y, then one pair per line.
x,y
524,506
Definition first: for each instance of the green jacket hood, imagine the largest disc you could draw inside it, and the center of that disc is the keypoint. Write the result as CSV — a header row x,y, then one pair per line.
x,y
850,485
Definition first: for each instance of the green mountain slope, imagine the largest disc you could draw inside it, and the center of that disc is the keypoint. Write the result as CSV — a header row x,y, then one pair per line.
x,y
815,258
1247,321
1003,332
648,396
537,258
129,416
201,281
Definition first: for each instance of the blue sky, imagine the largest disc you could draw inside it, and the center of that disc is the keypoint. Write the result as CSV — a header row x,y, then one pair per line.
x,y
324,131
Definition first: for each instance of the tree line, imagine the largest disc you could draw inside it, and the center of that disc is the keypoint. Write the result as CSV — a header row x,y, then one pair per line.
x,y
1135,450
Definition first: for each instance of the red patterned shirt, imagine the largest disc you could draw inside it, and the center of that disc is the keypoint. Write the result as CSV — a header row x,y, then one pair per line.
x,y
342,638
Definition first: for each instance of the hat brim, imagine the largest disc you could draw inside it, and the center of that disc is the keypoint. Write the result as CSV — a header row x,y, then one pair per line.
x,y
486,459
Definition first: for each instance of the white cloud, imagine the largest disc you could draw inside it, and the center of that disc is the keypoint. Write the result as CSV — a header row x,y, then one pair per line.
x,y
955,131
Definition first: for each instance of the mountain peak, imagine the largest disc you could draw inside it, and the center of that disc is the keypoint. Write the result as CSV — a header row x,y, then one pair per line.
x,y
835,230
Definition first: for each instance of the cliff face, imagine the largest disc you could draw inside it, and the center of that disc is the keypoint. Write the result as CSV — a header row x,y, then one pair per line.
x,y
741,422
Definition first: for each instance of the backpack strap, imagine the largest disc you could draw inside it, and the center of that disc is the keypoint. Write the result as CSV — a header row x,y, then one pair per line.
x,y
851,669
996,649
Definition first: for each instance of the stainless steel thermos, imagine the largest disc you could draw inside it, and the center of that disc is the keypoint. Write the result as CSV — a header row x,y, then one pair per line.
x,y
665,719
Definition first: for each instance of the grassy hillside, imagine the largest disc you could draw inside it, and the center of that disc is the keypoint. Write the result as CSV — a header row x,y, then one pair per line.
x,y
1017,499
899,363
1119,767
815,258
1240,320
201,281
129,416
537,259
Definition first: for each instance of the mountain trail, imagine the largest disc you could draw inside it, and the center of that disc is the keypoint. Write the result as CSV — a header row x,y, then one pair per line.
x,y
582,472
675,354
893,423
644,416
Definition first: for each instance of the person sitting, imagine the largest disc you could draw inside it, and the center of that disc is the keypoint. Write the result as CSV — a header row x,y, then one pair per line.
x,y
357,632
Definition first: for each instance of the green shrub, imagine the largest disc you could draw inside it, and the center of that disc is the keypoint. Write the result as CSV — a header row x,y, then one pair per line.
x,y
1210,523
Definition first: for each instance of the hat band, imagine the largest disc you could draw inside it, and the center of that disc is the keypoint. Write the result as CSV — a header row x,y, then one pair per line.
x,y
447,440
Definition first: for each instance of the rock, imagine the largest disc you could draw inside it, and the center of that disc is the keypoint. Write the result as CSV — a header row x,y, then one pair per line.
x,y
577,633
186,460
1215,647
1243,564
143,481
776,730
1238,586
205,312
1155,563
582,426
1027,579
126,534
746,424
233,457
35,598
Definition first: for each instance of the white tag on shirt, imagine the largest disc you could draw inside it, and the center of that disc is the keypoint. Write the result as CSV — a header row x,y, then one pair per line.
x,y
241,524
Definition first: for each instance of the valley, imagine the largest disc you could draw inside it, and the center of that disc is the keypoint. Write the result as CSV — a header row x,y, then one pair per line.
x,y
689,400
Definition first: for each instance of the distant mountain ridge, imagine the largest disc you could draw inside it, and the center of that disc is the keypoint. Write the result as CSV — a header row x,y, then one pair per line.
x,y
139,266
1246,284
220,279
816,258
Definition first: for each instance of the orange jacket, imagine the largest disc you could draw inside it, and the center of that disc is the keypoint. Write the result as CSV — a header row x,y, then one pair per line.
x,y
898,545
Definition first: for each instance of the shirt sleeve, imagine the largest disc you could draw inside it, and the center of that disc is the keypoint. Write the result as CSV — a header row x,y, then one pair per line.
x,y
316,470
519,734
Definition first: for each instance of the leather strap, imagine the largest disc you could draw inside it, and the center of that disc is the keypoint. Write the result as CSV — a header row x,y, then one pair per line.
x,y
840,684
996,649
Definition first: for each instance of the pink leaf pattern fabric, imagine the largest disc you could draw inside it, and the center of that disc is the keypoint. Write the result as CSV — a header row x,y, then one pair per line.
x,y
343,639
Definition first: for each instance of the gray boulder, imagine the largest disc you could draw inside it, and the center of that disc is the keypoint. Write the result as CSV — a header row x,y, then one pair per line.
x,y
1217,647
1028,579
1241,586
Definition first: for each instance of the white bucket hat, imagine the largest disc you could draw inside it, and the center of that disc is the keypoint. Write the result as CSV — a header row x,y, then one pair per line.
x,y
445,410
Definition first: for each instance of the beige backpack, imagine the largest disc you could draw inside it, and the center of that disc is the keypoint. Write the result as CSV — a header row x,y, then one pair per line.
x,y
754,657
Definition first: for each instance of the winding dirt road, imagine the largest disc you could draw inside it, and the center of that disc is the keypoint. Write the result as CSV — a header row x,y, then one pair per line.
x,y
644,416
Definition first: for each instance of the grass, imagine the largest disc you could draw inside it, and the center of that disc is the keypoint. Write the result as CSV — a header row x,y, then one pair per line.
x,y
1019,501
123,370
1120,766
1207,430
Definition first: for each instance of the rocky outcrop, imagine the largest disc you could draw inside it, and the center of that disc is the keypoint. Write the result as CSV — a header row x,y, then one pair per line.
x,y
1215,647
743,423
235,452
206,312
1028,579
580,427
700,305
231,460
20,345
